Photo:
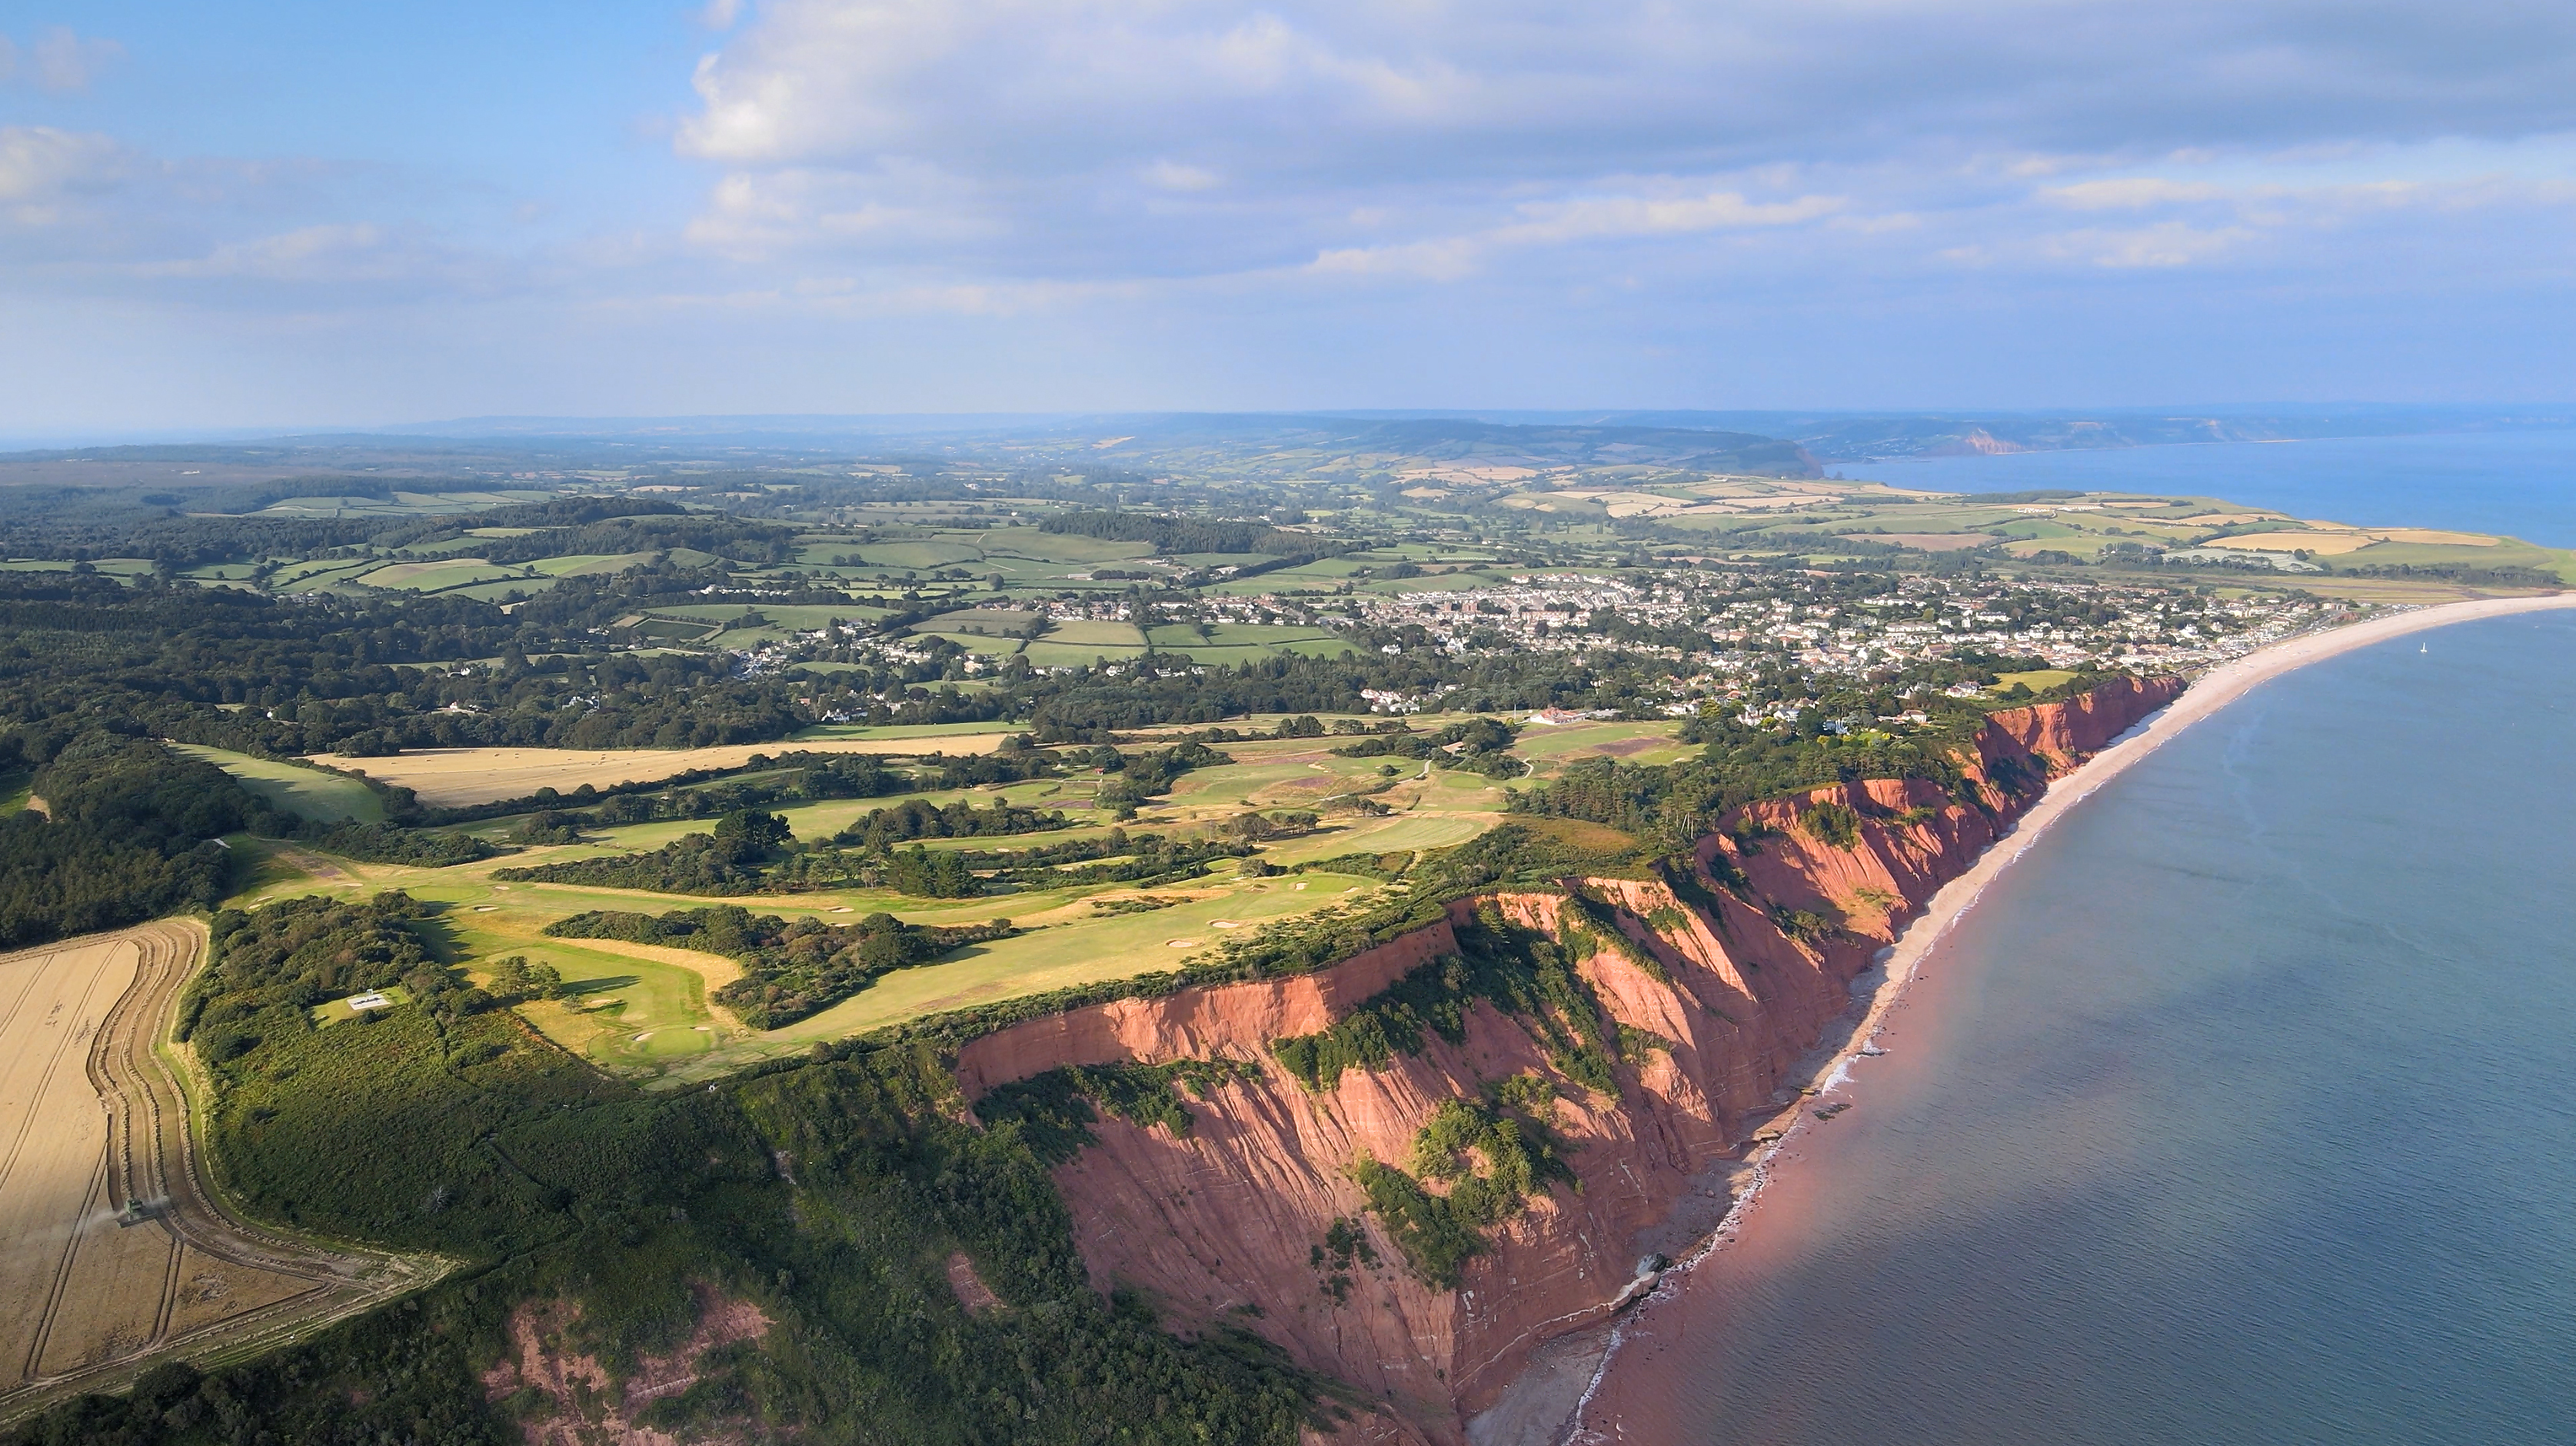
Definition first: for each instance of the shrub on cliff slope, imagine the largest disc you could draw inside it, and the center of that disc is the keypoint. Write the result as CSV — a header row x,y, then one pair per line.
x,y
1521,972
1489,1164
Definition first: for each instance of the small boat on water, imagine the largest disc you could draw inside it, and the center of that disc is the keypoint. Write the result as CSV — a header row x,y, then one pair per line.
x,y
1871,1051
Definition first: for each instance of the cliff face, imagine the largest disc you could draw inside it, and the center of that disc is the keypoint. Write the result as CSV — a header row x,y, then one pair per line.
x,y
1224,1224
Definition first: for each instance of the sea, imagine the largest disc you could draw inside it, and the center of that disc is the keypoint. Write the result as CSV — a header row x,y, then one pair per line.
x,y
2241,1109
2519,483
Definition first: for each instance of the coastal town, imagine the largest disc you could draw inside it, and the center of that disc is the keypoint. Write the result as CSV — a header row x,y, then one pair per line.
x,y
1705,636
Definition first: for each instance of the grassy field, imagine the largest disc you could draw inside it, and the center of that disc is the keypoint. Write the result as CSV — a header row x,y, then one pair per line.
x,y
1550,749
435,576
2037,679
1094,633
589,564
306,792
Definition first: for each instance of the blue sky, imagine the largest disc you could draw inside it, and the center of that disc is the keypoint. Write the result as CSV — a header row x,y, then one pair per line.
x,y
307,214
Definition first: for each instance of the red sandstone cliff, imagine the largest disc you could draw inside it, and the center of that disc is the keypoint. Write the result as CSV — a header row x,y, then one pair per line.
x,y
1221,1223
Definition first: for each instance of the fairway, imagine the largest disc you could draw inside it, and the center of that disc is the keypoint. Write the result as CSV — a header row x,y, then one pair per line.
x,y
1090,952
451,776
305,792
635,1007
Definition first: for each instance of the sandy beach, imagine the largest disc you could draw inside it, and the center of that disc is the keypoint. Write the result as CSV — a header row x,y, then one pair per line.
x,y
1828,1070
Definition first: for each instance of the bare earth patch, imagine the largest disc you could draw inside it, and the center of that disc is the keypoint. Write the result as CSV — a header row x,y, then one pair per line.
x,y
972,1292
540,1361
1627,746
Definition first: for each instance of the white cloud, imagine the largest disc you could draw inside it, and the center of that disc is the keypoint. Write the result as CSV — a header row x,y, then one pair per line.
x,y
40,163
58,60
1174,176
1449,259
56,184
2131,193
1594,217
2166,244
757,214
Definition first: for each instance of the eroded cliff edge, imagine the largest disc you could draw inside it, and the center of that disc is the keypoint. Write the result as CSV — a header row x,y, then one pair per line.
x,y
1709,987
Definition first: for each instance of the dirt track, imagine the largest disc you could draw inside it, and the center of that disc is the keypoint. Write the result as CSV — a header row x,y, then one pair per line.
x,y
112,1248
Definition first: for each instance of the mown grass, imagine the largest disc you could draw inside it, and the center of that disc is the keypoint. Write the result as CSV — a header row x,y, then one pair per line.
x,y
304,792
1080,952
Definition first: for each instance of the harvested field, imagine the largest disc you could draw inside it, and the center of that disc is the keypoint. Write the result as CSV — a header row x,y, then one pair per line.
x,y
451,776
2321,543
113,1252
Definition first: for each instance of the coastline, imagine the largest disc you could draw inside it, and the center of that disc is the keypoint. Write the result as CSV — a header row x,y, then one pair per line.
x,y
1828,1067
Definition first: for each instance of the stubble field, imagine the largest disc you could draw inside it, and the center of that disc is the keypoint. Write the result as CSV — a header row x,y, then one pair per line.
x,y
449,777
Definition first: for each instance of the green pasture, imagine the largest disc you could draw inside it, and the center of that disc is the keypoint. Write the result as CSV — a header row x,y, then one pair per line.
x,y
1178,637
1057,547
2508,552
592,564
1094,633
998,622
1044,654
2037,679
303,791
436,576
1551,749
315,576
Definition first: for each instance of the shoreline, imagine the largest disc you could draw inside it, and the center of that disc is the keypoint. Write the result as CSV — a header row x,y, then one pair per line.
x,y
1901,962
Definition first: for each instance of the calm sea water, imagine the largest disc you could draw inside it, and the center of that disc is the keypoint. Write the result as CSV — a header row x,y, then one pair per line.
x,y
2242,1110
2522,484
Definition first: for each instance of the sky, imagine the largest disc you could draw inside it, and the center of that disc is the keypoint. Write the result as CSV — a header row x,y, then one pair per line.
x,y
300,214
